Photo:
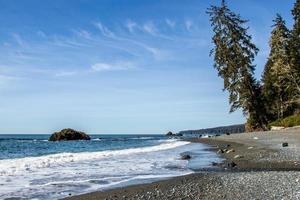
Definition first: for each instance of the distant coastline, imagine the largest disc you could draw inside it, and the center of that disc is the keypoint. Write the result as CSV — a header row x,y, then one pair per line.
x,y
237,128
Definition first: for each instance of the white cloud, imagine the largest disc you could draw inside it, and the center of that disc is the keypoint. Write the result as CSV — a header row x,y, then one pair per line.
x,y
150,28
170,23
67,42
188,24
65,73
84,34
159,54
112,66
130,25
104,30
71,51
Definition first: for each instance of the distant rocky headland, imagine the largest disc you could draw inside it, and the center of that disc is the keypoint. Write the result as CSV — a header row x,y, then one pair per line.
x,y
238,128
69,134
171,134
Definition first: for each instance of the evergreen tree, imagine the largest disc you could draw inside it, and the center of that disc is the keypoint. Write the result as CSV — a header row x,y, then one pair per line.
x,y
278,88
269,91
294,49
234,54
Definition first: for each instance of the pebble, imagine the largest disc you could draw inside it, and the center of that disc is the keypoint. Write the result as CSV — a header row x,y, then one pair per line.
x,y
231,150
285,144
238,156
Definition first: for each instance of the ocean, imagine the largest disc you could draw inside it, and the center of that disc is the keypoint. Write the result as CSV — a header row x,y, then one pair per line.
x,y
33,168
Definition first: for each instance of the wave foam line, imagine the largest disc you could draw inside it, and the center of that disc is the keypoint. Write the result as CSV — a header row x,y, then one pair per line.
x,y
19,165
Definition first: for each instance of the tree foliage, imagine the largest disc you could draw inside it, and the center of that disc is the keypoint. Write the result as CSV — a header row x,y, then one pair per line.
x,y
294,49
279,94
278,88
234,54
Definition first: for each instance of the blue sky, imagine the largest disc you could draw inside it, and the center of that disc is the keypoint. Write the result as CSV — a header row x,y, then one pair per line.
x,y
117,66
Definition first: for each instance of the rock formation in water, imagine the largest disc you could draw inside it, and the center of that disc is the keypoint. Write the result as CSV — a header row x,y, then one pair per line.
x,y
69,134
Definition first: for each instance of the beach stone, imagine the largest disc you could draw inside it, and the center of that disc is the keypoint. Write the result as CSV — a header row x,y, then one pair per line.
x,y
285,144
69,134
220,151
237,156
185,157
231,150
232,164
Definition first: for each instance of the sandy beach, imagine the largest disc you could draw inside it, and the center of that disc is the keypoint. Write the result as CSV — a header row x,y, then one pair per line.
x,y
262,169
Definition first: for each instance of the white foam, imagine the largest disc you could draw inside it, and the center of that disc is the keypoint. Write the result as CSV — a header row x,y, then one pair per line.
x,y
55,176
141,138
19,165
204,136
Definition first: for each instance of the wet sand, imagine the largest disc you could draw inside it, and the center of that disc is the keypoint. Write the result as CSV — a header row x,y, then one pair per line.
x,y
264,170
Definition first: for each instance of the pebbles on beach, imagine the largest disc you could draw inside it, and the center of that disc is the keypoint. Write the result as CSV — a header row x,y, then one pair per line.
x,y
213,186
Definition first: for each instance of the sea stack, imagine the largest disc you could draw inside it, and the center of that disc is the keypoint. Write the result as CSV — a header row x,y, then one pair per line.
x,y
69,134
170,134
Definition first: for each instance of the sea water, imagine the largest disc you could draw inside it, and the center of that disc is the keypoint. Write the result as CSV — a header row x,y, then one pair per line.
x,y
31,167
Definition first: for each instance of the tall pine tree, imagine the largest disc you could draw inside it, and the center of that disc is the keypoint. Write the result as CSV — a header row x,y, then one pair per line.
x,y
278,89
234,54
294,49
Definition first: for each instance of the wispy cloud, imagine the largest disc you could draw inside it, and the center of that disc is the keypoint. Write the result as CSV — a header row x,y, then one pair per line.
x,y
56,55
150,28
66,42
123,41
41,33
84,34
188,24
130,25
104,30
153,30
65,73
170,23
102,66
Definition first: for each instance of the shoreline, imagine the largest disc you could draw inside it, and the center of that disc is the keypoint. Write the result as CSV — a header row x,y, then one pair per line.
x,y
264,169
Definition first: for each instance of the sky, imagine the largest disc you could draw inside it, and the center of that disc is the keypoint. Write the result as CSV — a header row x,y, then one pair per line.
x,y
118,66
